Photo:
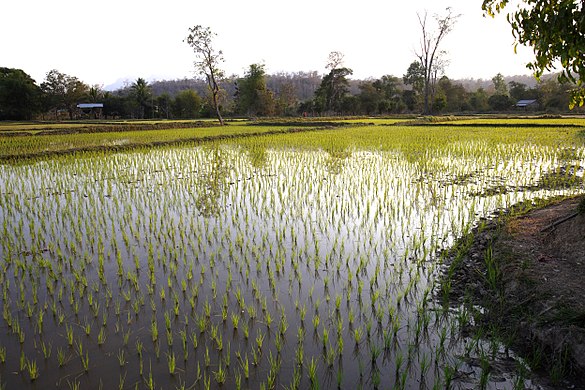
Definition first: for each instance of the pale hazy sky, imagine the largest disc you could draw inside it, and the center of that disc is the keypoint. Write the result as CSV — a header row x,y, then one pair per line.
x,y
103,41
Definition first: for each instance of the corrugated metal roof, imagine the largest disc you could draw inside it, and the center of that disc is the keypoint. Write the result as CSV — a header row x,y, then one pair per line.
x,y
525,102
90,105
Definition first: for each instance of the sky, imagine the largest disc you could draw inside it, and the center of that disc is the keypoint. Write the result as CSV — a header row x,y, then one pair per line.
x,y
107,41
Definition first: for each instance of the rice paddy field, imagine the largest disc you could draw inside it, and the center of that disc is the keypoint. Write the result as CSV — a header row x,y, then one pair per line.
x,y
296,260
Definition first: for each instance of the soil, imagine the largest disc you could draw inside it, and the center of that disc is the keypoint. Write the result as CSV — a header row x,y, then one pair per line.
x,y
538,300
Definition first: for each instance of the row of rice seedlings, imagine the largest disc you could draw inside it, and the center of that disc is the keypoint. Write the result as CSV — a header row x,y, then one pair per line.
x,y
15,147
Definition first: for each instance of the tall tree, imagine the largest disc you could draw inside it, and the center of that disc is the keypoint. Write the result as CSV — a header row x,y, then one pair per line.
x,y
187,104
555,30
334,87
207,61
500,85
552,95
95,94
389,86
429,52
164,103
415,76
479,100
369,97
252,96
519,91
63,91
286,101
456,97
19,95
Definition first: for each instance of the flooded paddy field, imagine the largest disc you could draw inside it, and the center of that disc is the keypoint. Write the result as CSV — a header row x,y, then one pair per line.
x,y
306,260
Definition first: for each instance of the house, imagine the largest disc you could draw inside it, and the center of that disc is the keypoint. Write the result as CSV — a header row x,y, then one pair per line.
x,y
527,104
91,110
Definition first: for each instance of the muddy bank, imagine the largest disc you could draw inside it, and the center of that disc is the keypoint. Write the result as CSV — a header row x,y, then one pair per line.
x,y
527,268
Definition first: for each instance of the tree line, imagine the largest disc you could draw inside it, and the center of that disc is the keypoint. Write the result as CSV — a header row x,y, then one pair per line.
x,y
258,94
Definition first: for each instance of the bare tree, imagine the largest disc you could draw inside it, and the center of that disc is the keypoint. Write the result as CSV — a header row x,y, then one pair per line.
x,y
207,62
429,54
334,60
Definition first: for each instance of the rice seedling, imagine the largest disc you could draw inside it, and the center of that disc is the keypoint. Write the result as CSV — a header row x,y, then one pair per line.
x,y
46,348
220,375
122,381
69,330
259,339
150,383
171,363
85,361
61,357
245,367
256,355
33,371
357,336
121,357
154,330
139,348
235,320
207,357
313,374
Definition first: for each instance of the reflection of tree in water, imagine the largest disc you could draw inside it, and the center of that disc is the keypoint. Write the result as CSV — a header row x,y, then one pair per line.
x,y
211,184
257,155
336,160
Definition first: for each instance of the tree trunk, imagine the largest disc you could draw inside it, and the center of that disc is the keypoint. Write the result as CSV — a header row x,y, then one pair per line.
x,y
216,104
426,110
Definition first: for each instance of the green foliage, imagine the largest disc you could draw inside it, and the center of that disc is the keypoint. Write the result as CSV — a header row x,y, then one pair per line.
x,y
62,91
187,105
479,100
555,30
332,91
519,91
500,84
415,76
500,102
455,97
252,96
141,94
369,97
19,95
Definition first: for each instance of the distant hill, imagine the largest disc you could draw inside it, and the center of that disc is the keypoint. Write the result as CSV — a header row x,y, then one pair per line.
x,y
487,84
304,83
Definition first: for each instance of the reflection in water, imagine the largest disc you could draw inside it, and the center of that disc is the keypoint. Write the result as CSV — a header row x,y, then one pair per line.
x,y
211,184
336,161
257,155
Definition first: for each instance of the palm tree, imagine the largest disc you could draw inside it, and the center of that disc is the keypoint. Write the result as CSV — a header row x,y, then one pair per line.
x,y
141,94
94,94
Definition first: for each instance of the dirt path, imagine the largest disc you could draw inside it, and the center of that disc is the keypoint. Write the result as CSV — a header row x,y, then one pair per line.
x,y
538,296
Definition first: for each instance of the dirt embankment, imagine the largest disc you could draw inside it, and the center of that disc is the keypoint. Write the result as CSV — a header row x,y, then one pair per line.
x,y
528,271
